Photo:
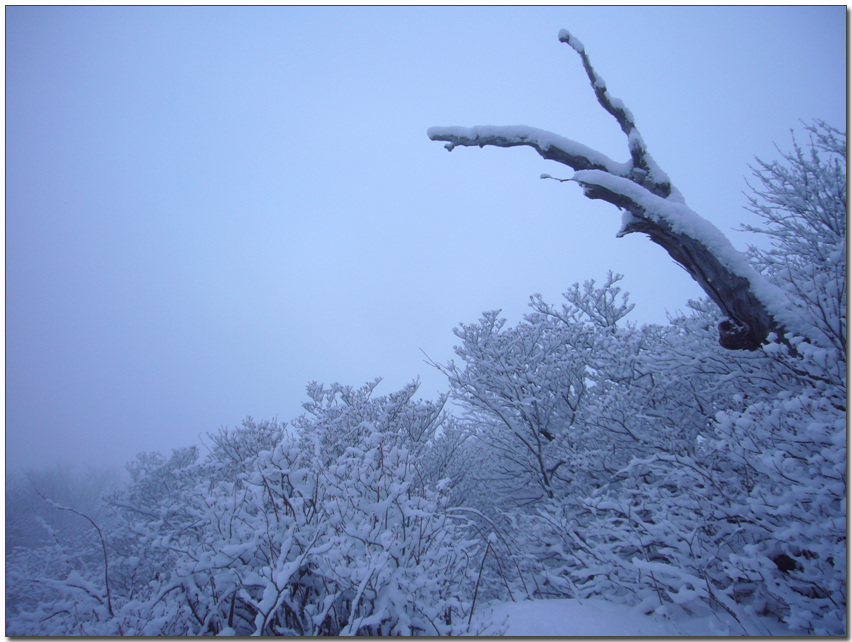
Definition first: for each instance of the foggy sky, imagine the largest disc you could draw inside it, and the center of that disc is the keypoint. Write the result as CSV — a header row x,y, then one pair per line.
x,y
207,208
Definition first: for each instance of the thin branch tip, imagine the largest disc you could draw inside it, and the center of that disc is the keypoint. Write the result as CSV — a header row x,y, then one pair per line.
x,y
566,37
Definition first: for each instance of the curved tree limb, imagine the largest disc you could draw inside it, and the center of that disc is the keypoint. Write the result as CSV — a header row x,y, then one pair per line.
x,y
701,249
652,206
100,536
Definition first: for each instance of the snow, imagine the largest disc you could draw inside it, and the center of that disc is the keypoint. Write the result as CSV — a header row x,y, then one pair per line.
x,y
596,618
572,41
568,617
525,135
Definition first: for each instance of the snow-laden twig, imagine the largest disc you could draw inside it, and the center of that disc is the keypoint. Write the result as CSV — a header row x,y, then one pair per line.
x,y
100,536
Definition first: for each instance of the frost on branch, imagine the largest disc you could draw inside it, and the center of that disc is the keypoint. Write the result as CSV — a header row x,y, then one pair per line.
x,y
653,206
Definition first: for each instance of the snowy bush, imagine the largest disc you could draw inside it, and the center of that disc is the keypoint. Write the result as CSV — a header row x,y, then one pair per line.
x,y
689,477
327,529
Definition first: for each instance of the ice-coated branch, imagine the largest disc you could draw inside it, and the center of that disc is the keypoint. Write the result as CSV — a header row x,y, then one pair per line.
x,y
652,206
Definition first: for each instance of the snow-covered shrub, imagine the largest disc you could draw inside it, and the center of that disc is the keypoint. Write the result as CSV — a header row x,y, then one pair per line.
x,y
745,509
689,477
57,588
525,390
801,201
330,528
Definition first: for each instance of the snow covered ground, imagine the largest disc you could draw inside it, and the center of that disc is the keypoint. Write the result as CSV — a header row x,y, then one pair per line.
x,y
593,618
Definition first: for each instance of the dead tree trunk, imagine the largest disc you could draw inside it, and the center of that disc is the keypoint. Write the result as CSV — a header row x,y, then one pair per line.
x,y
653,206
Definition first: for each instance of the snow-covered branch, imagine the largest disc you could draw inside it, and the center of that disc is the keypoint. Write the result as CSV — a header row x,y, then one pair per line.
x,y
549,145
654,207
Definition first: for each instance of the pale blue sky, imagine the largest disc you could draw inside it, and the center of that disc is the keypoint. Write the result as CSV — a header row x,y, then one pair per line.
x,y
206,208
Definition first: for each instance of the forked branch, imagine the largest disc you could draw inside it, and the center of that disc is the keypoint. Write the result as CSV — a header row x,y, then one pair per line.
x,y
653,206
